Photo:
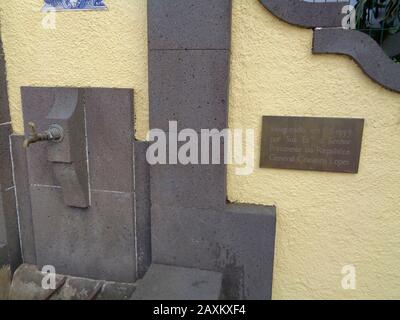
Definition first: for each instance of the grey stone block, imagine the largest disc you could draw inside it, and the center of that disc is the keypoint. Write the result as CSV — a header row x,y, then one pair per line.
x,y
189,186
309,14
77,289
163,282
238,242
97,243
8,207
4,259
190,87
6,178
110,121
24,199
189,24
142,207
364,50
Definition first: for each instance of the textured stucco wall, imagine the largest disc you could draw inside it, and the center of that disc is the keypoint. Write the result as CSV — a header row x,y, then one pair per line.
x,y
325,220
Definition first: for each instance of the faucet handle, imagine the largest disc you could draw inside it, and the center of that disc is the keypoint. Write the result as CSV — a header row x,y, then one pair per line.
x,y
32,129
33,136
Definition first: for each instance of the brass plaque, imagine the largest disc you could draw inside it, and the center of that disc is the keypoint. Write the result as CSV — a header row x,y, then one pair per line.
x,y
304,143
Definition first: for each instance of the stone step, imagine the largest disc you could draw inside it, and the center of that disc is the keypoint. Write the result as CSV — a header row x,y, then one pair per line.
x,y
27,285
163,282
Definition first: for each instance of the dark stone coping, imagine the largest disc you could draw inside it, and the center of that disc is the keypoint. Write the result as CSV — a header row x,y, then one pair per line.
x,y
307,14
364,50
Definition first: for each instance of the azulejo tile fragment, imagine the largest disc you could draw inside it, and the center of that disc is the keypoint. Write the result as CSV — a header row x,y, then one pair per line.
x,y
62,5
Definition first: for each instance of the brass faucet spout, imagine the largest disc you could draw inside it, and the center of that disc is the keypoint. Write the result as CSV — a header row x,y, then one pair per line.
x,y
54,133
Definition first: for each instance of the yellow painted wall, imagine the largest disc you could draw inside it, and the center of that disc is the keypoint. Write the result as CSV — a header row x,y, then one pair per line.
x,y
325,220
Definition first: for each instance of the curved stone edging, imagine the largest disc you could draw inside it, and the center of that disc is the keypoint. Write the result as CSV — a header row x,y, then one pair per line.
x,y
364,50
307,14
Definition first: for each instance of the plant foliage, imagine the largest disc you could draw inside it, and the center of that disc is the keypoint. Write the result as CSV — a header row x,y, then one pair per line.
x,y
381,20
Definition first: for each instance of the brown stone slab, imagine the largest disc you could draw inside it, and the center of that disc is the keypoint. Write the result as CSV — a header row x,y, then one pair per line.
x,y
308,143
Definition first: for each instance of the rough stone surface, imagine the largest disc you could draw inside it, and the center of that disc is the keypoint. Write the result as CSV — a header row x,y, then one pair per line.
x,y
163,282
77,289
27,285
189,24
190,87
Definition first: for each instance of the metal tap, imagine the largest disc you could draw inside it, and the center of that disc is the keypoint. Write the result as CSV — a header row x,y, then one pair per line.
x,y
55,133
